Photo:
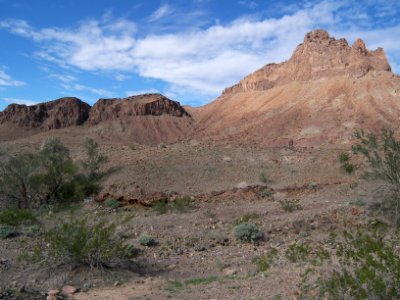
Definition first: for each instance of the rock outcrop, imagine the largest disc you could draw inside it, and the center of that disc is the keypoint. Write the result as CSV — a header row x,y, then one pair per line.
x,y
127,108
60,113
319,56
146,119
320,96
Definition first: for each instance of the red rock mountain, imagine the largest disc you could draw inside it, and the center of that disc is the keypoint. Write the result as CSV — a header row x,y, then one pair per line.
x,y
324,92
146,119
60,113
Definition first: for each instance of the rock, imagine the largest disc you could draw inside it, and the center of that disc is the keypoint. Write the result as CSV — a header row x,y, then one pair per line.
x,y
60,113
127,108
229,271
319,56
227,159
69,290
242,185
52,294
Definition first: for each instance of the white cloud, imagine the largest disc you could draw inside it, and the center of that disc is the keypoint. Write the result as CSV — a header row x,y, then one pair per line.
x,y
84,88
63,77
7,80
196,61
19,101
161,12
249,4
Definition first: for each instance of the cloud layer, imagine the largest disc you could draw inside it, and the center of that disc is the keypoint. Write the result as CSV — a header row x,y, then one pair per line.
x,y
201,61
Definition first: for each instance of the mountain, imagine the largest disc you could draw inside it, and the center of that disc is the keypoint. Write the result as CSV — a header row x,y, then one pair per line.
x,y
146,119
22,120
325,91
320,96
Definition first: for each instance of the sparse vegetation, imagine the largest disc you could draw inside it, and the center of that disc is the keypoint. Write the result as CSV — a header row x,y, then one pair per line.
x,y
347,166
50,176
160,206
382,157
146,240
368,269
15,217
112,203
247,232
76,241
265,261
182,204
298,252
290,205
7,231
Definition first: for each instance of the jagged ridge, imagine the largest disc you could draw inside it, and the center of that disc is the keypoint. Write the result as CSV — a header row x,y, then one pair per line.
x,y
319,56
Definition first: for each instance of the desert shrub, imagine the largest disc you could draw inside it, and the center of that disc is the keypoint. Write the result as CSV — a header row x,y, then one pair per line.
x,y
347,166
369,268
79,242
246,218
182,204
15,217
160,206
382,161
58,170
19,179
247,232
146,240
290,205
265,261
298,252
33,230
7,231
263,177
344,157
112,203
218,237
91,166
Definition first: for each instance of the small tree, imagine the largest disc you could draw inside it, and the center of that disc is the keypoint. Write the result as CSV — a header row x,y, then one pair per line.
x,y
88,182
382,156
19,180
58,169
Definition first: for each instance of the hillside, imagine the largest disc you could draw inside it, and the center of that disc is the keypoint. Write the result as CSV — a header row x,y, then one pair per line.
x,y
324,92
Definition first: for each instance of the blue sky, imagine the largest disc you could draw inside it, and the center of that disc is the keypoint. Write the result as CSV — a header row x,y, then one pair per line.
x,y
188,50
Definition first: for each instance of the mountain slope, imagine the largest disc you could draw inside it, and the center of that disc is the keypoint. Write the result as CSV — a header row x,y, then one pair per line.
x,y
324,92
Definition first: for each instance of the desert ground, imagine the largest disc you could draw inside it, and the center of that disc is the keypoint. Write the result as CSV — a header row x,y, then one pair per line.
x,y
196,255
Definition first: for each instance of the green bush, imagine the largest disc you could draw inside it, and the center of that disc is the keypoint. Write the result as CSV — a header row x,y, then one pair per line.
x,y
247,232
182,204
265,261
160,206
78,242
20,180
112,203
382,161
291,205
33,231
146,240
15,217
298,252
369,268
7,231
344,157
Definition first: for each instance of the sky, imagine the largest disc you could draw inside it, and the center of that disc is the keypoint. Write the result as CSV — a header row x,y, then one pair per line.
x,y
187,50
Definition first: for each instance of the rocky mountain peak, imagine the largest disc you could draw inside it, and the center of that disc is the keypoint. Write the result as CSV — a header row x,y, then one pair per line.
x,y
319,56
56,114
